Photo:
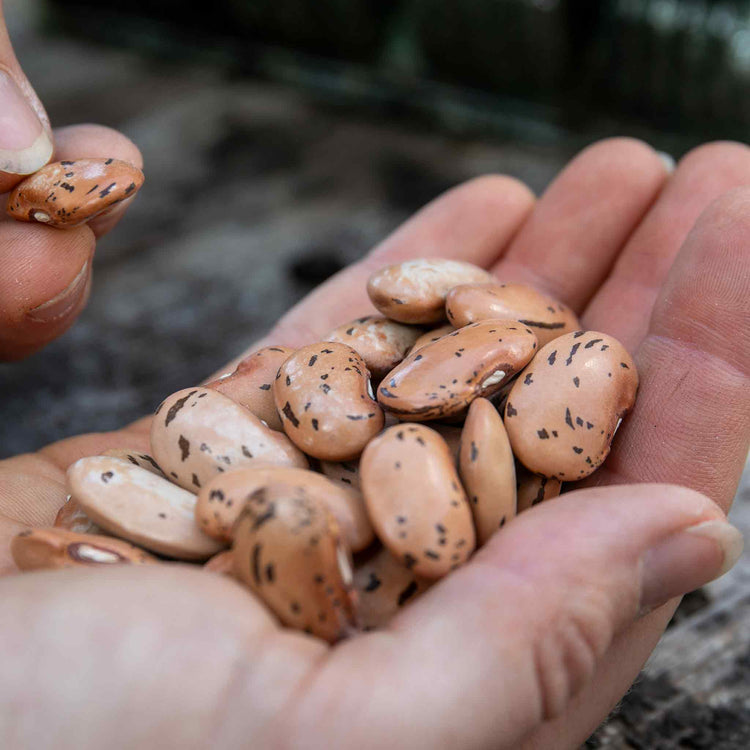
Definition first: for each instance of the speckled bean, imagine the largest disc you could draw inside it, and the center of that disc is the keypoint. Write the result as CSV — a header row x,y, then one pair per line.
x,y
251,384
531,489
289,551
381,342
547,317
135,504
443,378
414,291
197,433
324,398
565,407
487,469
221,501
384,586
42,549
415,500
68,193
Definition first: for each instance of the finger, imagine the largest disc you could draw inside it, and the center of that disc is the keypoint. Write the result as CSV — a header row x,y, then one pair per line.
x,y
472,222
25,134
583,220
691,421
623,305
94,142
44,284
504,642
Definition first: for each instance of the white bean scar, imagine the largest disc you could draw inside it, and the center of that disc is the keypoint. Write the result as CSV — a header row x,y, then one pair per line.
x,y
493,379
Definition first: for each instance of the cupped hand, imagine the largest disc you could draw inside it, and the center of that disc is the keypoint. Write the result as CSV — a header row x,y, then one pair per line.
x,y
46,273
535,639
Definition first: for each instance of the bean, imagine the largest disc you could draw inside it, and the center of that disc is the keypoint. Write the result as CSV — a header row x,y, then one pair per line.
x,y
444,377
415,500
414,291
289,551
381,342
487,470
198,433
44,549
134,504
221,501
565,407
68,193
251,384
324,398
548,318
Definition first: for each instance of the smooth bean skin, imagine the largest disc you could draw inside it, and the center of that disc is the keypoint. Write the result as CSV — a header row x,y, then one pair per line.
x,y
54,548
221,501
325,402
415,500
444,377
198,433
487,469
547,317
288,550
251,384
135,504
414,291
565,407
380,341
69,193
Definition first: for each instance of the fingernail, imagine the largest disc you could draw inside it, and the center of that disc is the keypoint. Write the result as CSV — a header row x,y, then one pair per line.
x,y
25,147
61,304
688,560
668,161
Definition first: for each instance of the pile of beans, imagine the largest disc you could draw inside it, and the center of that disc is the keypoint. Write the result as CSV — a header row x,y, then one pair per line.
x,y
336,506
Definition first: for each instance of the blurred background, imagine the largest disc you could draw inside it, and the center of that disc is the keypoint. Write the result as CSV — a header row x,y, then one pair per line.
x,y
283,139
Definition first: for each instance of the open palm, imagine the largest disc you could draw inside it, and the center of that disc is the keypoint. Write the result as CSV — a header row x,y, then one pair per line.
x,y
532,642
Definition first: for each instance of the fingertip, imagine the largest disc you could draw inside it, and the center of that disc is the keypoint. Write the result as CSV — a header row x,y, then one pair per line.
x,y
45,286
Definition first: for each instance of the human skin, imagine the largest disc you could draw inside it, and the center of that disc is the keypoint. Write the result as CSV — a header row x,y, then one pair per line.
x,y
536,638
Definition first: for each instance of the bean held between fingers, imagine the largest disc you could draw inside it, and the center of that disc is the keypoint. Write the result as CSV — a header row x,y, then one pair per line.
x,y
297,465
69,193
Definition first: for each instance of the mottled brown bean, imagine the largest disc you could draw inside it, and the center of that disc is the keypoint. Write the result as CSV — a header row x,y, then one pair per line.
x,y
288,550
324,398
415,500
68,193
547,317
251,384
565,407
444,377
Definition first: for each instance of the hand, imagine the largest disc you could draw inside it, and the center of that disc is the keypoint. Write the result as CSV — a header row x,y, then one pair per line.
x,y
46,274
532,642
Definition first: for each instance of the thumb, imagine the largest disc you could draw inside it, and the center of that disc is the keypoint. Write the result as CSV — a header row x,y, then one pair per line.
x,y
505,642
25,133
